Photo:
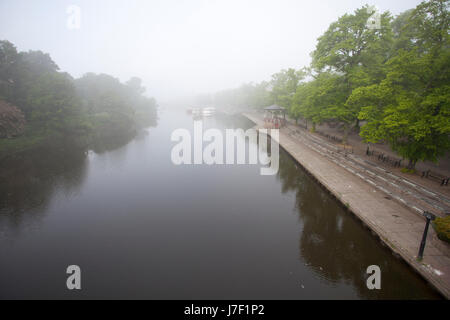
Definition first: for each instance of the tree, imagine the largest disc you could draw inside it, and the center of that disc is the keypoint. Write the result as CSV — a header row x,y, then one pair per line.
x,y
135,84
38,62
410,108
103,93
9,59
259,95
248,95
318,100
304,104
20,71
284,85
401,30
54,101
354,53
54,104
115,108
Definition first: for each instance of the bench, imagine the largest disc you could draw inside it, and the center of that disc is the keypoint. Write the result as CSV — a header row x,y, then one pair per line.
x,y
330,137
346,148
375,153
395,162
436,176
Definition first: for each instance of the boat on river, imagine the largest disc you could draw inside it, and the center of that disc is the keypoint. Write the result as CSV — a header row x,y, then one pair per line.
x,y
199,112
208,111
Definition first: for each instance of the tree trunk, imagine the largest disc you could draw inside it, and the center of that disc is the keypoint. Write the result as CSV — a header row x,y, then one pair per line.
x,y
345,137
357,126
411,164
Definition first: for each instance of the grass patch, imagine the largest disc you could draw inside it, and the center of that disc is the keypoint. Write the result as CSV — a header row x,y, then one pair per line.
x,y
406,170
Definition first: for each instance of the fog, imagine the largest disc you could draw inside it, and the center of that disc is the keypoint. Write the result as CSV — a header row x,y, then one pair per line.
x,y
178,48
224,149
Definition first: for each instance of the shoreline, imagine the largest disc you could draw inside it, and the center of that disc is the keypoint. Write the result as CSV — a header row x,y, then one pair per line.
x,y
364,203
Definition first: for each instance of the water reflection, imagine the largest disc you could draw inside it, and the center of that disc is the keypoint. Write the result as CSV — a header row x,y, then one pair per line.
x,y
142,227
335,245
28,181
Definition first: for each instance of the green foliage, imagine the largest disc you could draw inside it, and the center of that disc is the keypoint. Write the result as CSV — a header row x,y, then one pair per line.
x,y
54,104
279,90
284,85
9,60
246,96
354,54
410,107
348,45
406,170
442,227
32,138
395,78
12,120
316,99
104,97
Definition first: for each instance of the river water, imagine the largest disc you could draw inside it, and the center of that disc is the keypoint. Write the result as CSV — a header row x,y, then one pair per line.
x,y
140,227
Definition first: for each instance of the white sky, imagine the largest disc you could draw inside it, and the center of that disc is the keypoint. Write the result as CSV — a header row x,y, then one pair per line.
x,y
178,47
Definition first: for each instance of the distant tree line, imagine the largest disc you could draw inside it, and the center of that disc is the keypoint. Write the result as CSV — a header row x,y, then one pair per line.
x,y
35,95
391,81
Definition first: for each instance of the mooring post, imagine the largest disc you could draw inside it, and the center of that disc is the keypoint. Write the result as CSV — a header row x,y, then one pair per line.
x,y
430,217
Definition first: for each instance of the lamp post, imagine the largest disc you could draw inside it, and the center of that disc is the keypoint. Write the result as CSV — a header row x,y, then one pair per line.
x,y
430,217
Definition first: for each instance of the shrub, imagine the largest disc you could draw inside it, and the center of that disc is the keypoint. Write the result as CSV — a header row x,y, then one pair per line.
x,y
12,120
406,170
442,227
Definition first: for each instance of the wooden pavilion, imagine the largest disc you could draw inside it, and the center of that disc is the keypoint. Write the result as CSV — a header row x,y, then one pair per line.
x,y
274,117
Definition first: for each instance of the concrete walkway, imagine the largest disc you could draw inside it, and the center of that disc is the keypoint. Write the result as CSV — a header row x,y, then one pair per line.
x,y
359,148
397,226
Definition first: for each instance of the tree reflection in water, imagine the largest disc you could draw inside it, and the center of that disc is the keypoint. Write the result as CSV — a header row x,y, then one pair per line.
x,y
336,246
29,180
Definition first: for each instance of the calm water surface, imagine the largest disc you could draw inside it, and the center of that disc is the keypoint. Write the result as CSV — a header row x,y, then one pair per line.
x,y
141,227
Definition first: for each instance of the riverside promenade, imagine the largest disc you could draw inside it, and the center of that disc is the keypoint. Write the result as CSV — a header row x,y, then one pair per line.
x,y
397,225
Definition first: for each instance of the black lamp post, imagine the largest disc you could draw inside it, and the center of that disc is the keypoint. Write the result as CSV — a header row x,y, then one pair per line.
x,y
430,217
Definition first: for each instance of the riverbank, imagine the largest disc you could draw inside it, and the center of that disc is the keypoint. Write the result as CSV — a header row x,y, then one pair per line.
x,y
397,226
33,141
100,132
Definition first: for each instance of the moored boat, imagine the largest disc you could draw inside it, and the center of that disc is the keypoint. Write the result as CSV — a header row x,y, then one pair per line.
x,y
208,111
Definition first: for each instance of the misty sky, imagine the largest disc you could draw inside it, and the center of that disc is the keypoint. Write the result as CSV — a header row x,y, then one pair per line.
x,y
178,47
